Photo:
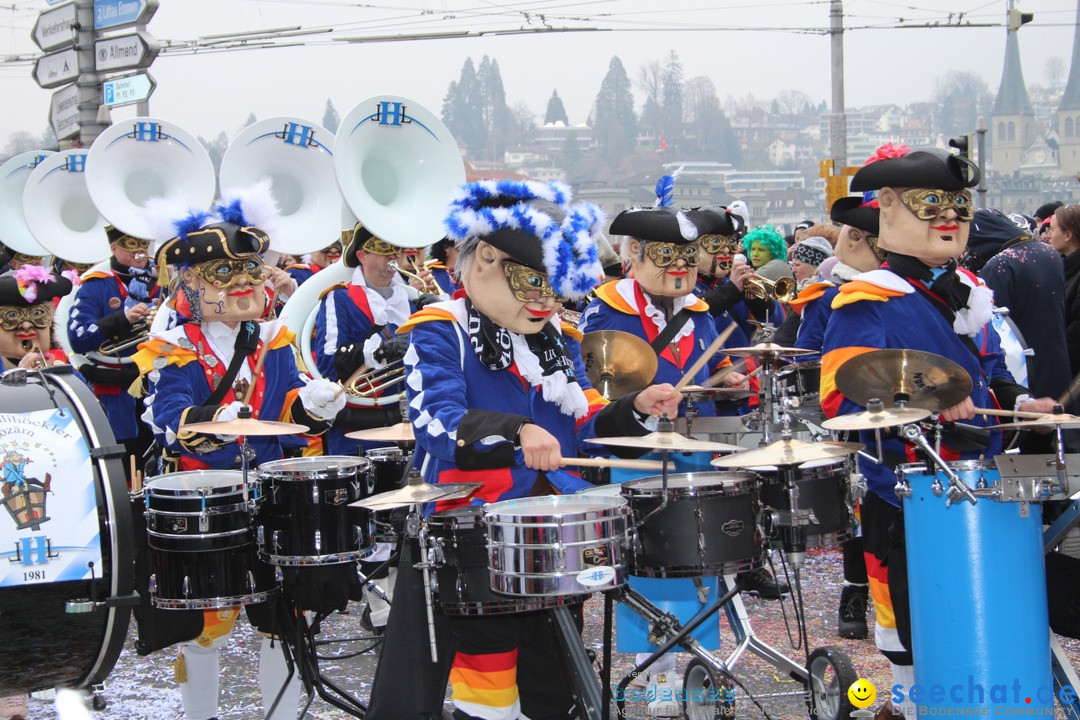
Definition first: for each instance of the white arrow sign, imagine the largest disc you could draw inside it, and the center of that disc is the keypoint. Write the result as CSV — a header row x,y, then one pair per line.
x,y
57,68
64,115
127,90
125,52
53,28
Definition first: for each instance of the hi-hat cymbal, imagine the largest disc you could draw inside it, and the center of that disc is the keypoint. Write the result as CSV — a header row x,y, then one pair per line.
x,y
1064,421
666,441
617,362
400,433
700,392
923,379
416,494
868,420
767,351
245,426
788,452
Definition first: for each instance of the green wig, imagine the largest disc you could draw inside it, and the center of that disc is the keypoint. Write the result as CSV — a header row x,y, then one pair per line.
x,y
768,237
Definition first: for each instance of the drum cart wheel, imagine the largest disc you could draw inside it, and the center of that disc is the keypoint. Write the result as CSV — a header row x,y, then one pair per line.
x,y
831,674
707,695
98,702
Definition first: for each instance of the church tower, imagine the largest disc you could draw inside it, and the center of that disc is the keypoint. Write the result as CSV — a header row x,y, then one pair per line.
x,y
1012,119
1068,113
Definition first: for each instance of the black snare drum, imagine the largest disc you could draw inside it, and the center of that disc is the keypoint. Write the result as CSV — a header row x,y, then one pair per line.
x,y
709,526
385,472
824,487
67,547
304,517
197,570
462,578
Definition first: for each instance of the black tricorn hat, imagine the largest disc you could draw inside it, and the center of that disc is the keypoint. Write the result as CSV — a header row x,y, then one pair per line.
x,y
659,224
216,241
858,214
714,221
44,292
115,234
923,168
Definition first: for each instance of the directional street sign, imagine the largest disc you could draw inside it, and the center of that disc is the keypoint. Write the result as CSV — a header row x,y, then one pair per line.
x,y
110,14
125,52
53,28
127,90
55,69
64,115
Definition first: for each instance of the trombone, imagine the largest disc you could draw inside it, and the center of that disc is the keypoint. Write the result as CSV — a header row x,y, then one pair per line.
x,y
429,285
366,383
782,289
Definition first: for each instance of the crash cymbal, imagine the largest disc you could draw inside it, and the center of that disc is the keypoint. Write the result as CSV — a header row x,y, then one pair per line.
x,y
400,433
767,351
868,420
245,426
700,392
1064,421
416,494
617,362
788,452
924,379
666,441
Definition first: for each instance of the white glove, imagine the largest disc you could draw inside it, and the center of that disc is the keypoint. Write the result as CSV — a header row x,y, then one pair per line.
x,y
227,413
323,398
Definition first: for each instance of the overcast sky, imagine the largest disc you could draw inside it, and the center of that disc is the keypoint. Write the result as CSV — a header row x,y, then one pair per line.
x,y
212,92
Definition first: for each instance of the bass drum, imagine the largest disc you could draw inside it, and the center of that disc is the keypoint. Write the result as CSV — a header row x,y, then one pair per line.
x,y
66,565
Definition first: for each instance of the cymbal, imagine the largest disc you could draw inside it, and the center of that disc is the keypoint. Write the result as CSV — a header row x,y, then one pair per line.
x,y
416,494
867,420
617,362
797,366
667,441
400,433
1063,420
245,426
926,380
695,392
788,452
769,351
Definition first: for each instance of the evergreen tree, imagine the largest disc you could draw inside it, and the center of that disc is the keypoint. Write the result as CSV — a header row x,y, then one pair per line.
x,y
494,112
216,148
614,122
555,110
671,109
330,119
462,110
251,120
709,133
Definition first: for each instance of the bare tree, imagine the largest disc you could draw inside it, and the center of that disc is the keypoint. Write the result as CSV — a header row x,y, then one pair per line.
x,y
651,84
521,124
1055,72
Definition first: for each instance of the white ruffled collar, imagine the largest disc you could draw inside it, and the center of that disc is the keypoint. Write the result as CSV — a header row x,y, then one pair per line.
x,y
625,288
385,311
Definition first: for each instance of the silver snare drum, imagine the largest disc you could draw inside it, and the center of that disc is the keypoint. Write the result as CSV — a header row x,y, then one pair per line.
x,y
557,545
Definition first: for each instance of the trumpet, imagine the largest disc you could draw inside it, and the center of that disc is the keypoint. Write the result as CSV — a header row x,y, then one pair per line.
x,y
140,333
367,383
782,289
428,285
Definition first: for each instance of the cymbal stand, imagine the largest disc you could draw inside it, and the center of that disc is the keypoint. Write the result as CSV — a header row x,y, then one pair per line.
x,y
665,424
247,454
416,526
958,488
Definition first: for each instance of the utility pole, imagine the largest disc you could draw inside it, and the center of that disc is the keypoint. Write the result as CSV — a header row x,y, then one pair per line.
x,y
88,82
838,122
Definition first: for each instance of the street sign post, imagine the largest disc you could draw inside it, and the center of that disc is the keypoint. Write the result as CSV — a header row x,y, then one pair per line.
x,y
64,114
125,52
53,28
55,69
111,14
127,90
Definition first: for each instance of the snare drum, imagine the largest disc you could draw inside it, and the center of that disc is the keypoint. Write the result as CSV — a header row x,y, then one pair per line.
x,y
200,533
304,517
385,472
65,536
461,575
557,545
709,526
824,488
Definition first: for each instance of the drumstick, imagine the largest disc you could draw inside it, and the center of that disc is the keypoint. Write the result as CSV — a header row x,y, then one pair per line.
x,y
1067,396
259,363
705,357
1008,413
738,365
613,462
132,458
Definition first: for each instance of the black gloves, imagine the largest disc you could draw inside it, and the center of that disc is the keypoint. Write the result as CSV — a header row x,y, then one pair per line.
x,y
348,360
391,349
426,299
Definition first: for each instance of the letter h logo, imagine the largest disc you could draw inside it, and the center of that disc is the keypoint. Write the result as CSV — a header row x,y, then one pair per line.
x,y
76,163
391,113
297,134
39,545
146,132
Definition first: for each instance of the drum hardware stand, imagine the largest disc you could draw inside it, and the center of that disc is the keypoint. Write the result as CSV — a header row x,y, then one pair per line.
x,y
958,488
416,526
85,605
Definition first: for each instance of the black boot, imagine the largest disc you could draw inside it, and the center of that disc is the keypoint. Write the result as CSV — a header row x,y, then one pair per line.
x,y
853,600
762,583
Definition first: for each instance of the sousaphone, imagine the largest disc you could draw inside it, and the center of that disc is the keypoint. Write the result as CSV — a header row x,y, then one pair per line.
x,y
14,173
297,156
59,211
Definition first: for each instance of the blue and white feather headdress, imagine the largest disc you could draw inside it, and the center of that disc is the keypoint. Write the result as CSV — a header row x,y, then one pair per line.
x,y
562,235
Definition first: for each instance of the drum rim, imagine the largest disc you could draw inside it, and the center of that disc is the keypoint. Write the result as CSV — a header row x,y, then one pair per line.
x,y
744,485
726,567
211,603
382,453
152,484
809,464
317,560
330,471
608,503
954,465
